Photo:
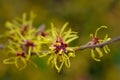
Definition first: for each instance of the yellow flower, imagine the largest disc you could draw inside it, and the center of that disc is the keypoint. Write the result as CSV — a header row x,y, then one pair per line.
x,y
60,52
20,57
96,40
24,38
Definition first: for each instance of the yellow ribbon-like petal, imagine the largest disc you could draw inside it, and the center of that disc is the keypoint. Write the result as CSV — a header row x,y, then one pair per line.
x,y
93,55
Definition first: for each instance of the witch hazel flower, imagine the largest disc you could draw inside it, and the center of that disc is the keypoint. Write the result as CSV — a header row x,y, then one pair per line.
x,y
19,56
97,40
23,40
60,52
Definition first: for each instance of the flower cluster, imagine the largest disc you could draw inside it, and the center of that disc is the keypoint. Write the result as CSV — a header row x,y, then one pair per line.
x,y
24,40
97,40
60,52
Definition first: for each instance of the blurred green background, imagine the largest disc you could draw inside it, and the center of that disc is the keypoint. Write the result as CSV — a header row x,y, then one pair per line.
x,y
84,16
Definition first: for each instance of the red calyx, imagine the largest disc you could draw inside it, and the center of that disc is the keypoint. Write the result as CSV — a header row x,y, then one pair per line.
x,y
21,54
29,44
95,40
24,29
60,45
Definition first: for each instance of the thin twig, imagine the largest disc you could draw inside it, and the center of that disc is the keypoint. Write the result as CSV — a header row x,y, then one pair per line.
x,y
2,46
97,45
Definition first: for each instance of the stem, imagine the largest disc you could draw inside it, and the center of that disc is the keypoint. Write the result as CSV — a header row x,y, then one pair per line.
x,y
86,46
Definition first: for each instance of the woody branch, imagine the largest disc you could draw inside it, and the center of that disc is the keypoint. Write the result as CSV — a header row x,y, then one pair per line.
x,y
86,46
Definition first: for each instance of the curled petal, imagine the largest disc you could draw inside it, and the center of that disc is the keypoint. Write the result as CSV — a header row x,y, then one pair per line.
x,y
67,34
55,62
71,39
20,65
59,68
19,34
106,49
33,64
54,33
67,61
61,61
70,49
71,54
24,18
42,55
63,28
91,35
9,60
99,29
106,36
29,53
93,55
32,16
16,62
24,64
99,52
50,59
